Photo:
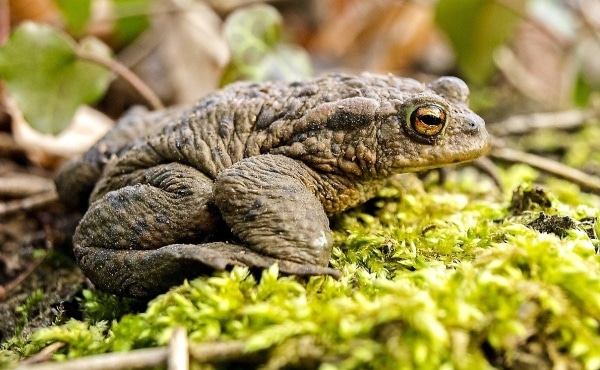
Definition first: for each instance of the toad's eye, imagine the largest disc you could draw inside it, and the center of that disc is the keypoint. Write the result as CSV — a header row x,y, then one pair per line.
x,y
428,120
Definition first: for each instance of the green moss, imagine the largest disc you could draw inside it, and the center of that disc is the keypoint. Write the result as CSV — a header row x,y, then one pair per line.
x,y
100,306
432,278
24,310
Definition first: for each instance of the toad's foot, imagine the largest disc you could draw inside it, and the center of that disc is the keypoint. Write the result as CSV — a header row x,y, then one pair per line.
x,y
146,273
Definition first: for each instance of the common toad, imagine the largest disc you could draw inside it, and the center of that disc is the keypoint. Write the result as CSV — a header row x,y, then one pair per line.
x,y
249,174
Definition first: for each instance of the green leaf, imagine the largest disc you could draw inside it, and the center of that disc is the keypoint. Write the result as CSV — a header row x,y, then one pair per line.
x,y
289,62
76,13
254,35
41,70
581,91
252,32
475,29
132,19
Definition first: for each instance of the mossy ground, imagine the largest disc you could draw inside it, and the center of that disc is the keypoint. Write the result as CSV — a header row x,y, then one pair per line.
x,y
434,276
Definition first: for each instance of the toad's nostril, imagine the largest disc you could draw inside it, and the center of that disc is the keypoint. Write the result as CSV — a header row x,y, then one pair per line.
x,y
474,125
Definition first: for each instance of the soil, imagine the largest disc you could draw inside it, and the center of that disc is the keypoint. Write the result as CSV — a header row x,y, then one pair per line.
x,y
39,281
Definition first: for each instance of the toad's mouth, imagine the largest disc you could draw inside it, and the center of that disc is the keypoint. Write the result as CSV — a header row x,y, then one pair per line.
x,y
451,155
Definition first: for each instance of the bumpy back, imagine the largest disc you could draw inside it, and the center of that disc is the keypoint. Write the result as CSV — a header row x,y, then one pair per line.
x,y
248,119
239,121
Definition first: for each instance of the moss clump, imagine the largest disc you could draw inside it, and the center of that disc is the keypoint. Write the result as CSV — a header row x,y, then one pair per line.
x,y
431,279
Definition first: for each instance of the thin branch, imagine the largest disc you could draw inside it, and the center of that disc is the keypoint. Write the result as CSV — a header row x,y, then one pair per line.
x,y
31,267
140,358
488,167
523,124
34,201
517,74
18,185
179,355
586,182
44,355
126,74
516,8
135,359
584,16
217,352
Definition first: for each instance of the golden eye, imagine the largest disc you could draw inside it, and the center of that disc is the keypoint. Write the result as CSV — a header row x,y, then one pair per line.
x,y
428,120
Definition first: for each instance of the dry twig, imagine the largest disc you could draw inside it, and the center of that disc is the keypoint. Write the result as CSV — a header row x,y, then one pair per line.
x,y
127,75
587,182
485,165
174,355
18,185
523,124
22,276
135,359
218,352
44,355
179,355
34,201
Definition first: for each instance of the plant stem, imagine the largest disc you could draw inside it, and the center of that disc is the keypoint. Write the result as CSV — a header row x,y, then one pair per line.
x,y
124,72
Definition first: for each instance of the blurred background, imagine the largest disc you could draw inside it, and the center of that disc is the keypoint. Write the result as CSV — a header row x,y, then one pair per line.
x,y
518,56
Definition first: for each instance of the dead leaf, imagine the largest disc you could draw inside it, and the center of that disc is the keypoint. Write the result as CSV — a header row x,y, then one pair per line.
x,y
182,56
48,151
36,10
192,47
541,65
377,35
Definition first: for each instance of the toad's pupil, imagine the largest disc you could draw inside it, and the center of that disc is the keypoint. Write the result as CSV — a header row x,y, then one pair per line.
x,y
431,116
430,119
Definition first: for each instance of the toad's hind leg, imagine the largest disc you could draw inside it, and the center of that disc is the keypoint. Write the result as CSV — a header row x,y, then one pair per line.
x,y
158,206
130,240
152,207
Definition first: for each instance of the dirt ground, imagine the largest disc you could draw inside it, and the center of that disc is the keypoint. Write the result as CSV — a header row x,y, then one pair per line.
x,y
34,249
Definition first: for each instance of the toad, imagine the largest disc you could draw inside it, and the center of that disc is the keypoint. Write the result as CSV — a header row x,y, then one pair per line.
x,y
249,174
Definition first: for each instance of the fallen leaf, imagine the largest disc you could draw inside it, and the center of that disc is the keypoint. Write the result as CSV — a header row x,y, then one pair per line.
x,y
35,10
381,35
192,48
88,125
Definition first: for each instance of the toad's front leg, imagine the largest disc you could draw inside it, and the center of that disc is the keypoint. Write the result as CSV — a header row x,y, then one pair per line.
x,y
270,204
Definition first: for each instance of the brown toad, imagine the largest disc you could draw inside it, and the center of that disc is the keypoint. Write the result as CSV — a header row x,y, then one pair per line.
x,y
250,174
